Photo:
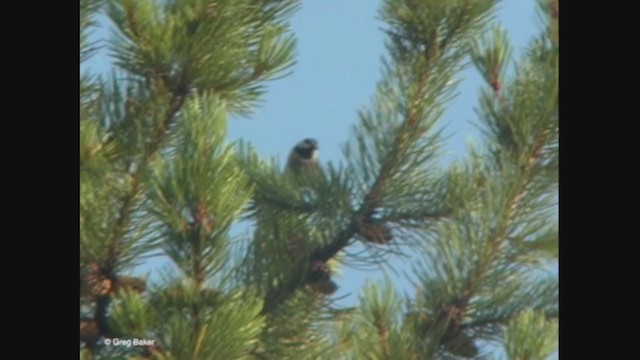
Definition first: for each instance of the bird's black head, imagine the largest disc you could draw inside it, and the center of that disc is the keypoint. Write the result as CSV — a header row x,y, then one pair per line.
x,y
306,148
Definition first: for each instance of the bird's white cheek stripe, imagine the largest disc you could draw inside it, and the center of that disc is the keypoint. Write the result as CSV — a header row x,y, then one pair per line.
x,y
315,154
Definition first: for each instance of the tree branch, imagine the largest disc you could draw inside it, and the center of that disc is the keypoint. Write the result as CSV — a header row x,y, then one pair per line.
x,y
512,206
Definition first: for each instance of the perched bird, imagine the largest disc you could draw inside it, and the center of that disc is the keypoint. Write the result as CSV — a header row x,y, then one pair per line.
x,y
303,158
303,162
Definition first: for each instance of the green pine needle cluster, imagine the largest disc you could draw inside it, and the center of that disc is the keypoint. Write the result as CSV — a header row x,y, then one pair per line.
x,y
159,177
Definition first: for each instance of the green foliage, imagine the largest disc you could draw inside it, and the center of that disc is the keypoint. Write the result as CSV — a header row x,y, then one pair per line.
x,y
373,330
531,336
491,56
396,142
237,316
189,44
158,176
294,330
133,316
198,192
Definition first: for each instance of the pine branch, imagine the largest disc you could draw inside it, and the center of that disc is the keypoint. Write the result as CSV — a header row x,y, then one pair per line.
x,y
409,133
128,203
512,206
127,208
178,97
383,339
502,209
501,320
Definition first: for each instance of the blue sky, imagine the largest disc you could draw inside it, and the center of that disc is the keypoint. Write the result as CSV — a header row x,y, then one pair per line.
x,y
338,64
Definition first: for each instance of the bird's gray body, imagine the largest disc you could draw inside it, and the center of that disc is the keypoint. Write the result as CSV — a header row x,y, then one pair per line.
x,y
303,158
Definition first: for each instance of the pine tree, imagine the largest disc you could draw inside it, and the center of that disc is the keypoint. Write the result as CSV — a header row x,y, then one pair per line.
x,y
158,176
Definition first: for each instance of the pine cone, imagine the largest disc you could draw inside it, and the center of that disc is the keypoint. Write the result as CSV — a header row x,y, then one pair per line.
x,y
89,332
326,287
318,270
94,283
319,276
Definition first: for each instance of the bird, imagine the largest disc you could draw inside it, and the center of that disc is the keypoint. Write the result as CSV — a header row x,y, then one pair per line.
x,y
303,158
303,165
